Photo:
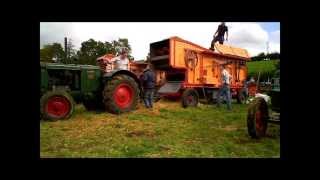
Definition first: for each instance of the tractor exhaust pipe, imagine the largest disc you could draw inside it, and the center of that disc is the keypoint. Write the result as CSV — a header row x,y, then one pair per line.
x,y
65,48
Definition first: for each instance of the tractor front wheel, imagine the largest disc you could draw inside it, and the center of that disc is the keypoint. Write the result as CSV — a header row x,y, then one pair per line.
x,y
121,94
55,105
190,98
257,118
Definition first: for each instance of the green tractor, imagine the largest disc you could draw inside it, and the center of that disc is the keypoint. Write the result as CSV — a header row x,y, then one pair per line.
x,y
63,85
260,113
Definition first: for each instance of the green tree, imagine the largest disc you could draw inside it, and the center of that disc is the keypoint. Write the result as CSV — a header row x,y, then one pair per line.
x,y
121,43
90,50
52,53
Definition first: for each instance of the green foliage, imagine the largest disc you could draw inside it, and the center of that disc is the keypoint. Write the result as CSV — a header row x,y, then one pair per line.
x,y
90,50
266,69
51,53
262,56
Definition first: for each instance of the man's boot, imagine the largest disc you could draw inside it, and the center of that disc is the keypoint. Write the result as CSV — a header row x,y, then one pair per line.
x,y
212,45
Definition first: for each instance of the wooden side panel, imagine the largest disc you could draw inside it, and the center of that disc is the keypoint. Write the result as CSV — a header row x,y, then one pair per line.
x,y
179,52
208,74
243,74
208,69
160,77
194,74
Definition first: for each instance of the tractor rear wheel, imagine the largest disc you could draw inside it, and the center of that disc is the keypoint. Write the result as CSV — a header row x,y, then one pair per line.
x,y
257,118
121,94
55,105
190,98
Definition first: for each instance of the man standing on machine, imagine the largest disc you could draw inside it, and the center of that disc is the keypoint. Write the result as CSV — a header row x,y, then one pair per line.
x,y
219,35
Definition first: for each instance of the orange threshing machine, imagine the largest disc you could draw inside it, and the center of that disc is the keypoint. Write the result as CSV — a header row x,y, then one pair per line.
x,y
193,72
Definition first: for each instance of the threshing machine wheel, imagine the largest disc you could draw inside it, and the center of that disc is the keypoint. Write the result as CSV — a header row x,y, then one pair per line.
x,y
190,98
241,96
121,94
257,118
56,105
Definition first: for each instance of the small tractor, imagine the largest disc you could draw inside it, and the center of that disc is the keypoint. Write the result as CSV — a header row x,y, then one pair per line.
x,y
260,112
192,73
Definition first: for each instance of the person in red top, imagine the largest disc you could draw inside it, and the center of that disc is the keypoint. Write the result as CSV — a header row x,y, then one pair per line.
x,y
219,35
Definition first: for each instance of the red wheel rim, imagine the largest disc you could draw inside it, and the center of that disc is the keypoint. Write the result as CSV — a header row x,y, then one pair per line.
x,y
259,123
123,95
58,106
190,99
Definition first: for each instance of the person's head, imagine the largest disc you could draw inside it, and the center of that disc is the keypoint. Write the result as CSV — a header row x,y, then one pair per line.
x,y
123,53
223,23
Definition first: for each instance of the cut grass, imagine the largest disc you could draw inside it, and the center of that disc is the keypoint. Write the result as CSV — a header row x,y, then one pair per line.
x,y
166,131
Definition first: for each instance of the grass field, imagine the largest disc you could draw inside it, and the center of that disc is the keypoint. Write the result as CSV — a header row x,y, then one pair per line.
x,y
166,131
265,67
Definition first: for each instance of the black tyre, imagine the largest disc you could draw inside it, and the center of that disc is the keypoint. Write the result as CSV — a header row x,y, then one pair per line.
x,y
121,94
156,97
190,98
55,105
241,96
257,118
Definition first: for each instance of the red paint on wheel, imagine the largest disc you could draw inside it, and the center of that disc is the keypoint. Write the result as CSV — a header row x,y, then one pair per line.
x,y
123,95
190,99
58,106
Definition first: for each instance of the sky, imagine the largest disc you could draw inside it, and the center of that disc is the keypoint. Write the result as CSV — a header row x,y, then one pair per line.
x,y
252,36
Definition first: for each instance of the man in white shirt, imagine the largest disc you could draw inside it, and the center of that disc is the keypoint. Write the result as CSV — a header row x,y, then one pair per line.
x,y
225,88
121,61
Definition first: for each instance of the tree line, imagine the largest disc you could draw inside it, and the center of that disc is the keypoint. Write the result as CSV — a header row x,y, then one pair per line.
x,y
263,56
89,51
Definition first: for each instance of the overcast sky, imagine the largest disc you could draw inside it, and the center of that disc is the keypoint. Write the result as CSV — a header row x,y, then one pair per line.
x,y
251,36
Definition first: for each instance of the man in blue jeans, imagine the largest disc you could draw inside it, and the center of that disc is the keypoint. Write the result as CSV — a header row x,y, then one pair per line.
x,y
225,88
148,82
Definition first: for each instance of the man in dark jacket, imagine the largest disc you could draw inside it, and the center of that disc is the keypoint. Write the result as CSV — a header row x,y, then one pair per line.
x,y
148,83
219,35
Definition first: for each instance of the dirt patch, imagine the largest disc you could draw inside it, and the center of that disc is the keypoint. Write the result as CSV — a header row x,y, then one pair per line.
x,y
229,128
164,148
139,133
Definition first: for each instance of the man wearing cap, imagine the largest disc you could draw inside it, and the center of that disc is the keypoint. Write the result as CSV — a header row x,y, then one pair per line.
x,y
225,88
148,82
219,35
121,61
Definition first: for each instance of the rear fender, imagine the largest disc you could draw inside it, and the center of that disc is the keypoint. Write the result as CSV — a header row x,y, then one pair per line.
x,y
111,74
